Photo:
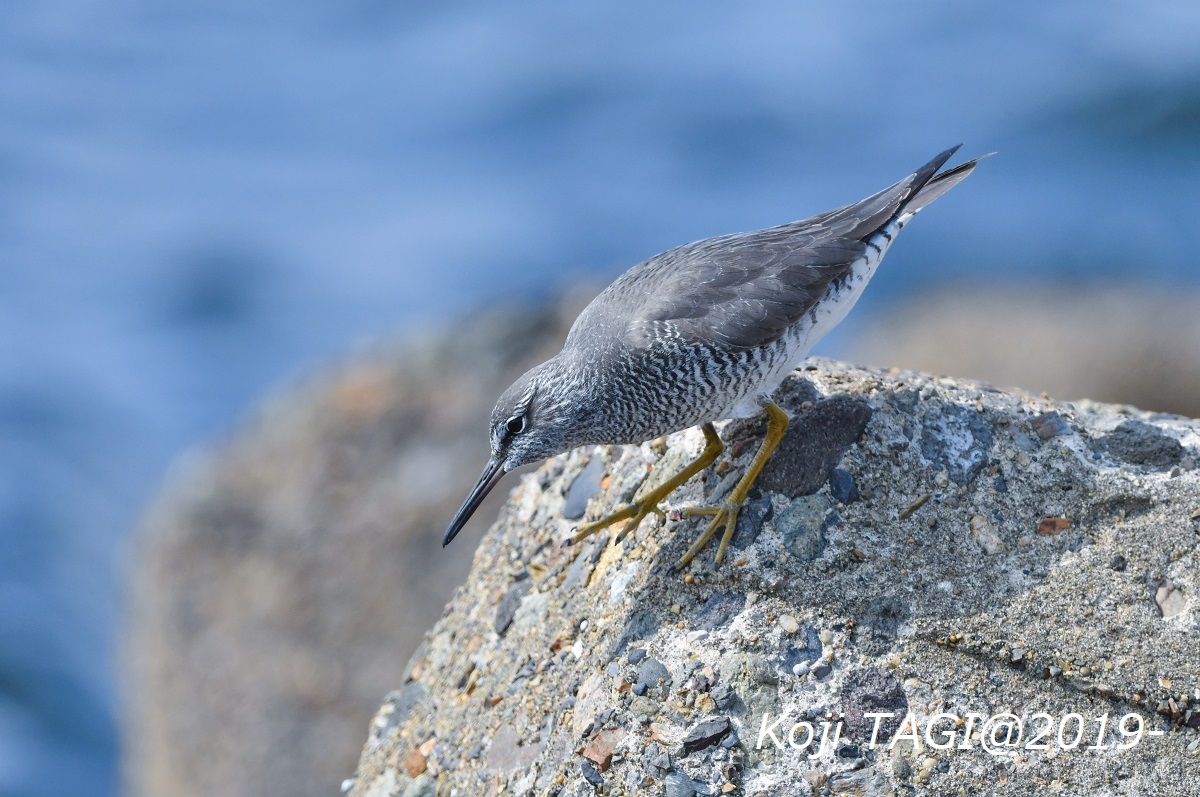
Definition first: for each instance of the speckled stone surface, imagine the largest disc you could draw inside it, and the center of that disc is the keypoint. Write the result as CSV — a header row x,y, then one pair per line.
x,y
284,575
986,560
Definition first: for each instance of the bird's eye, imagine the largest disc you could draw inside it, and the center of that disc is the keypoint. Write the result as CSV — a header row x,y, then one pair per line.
x,y
516,424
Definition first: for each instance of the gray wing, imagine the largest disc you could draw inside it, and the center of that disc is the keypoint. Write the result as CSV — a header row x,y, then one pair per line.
x,y
745,290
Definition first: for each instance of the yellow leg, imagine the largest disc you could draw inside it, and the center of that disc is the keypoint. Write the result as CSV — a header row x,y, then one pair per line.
x,y
777,422
639,509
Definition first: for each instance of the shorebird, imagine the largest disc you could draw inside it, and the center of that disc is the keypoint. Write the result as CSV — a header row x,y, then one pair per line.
x,y
703,332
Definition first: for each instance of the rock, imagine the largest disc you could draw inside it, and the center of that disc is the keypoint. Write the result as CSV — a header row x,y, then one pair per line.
x,y
507,753
506,610
753,684
842,486
718,609
815,441
750,522
585,486
600,750
987,537
958,439
678,784
1049,424
1049,526
643,706
421,786
793,654
917,619
591,774
653,673
1170,599
706,734
531,612
878,626
284,574
1140,443
802,524
414,763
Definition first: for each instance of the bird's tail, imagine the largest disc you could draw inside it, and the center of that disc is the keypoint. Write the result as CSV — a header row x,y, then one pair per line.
x,y
937,183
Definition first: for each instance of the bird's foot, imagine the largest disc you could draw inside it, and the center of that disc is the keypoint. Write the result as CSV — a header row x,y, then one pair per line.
x,y
635,512
724,515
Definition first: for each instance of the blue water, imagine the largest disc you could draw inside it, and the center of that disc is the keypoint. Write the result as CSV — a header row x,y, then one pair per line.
x,y
200,200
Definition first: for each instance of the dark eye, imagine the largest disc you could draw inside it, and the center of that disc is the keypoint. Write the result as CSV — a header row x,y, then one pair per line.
x,y
516,424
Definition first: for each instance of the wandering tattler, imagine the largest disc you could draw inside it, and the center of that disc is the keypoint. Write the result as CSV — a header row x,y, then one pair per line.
x,y
703,332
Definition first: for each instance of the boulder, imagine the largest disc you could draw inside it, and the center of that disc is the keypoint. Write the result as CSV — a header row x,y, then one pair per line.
x,y
972,556
282,577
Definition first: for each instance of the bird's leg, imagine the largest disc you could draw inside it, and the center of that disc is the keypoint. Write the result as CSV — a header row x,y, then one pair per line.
x,y
777,423
639,509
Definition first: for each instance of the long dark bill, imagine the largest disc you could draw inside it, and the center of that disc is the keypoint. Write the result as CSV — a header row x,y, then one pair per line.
x,y
491,474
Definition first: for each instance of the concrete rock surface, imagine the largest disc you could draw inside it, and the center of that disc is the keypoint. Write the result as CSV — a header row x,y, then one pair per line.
x,y
281,579
977,552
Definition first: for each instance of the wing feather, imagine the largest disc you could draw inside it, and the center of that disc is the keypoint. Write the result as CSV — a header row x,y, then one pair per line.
x,y
745,290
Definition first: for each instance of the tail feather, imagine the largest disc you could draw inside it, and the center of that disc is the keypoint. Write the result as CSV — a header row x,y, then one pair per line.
x,y
937,184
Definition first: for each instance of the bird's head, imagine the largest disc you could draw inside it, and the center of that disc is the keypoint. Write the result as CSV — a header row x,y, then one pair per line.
x,y
534,419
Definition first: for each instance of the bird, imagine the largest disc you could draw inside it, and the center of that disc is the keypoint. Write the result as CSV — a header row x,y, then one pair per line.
x,y
703,332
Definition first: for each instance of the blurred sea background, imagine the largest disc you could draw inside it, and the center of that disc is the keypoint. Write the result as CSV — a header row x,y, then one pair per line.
x,y
201,201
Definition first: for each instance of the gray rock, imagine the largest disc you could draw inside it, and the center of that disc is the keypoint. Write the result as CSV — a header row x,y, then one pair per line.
x,y
878,625
591,774
507,752
506,609
719,609
578,572
678,784
401,703
1024,442
957,438
803,523
585,486
283,574
653,673
1170,599
842,486
1049,424
863,781
868,690
531,612
753,684
750,522
706,733
643,706
727,698
810,652
1141,443
815,441
421,786
908,616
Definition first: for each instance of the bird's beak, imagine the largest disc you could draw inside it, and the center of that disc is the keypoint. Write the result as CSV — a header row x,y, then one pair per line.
x,y
491,474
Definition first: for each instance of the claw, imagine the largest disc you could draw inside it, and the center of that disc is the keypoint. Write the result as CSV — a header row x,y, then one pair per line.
x,y
588,529
620,536
726,516
637,511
